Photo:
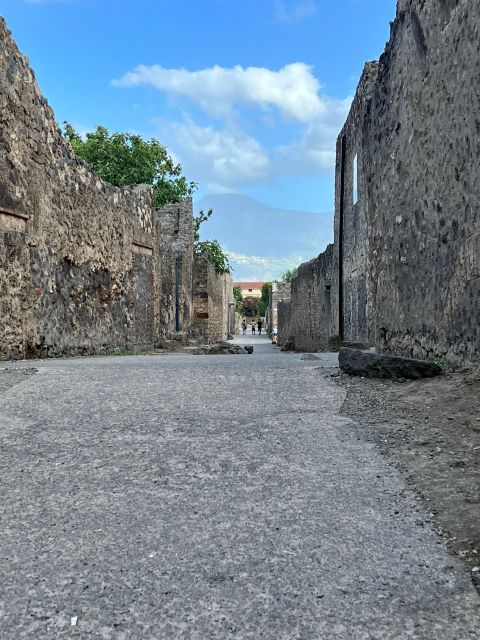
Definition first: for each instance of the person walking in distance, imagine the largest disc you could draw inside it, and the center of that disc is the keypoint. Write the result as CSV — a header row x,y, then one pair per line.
x,y
259,325
244,327
253,327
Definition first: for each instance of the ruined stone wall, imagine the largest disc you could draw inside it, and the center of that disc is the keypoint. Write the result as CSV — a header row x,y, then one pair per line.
x,y
77,265
355,320
219,308
417,136
175,243
213,302
283,320
310,320
279,291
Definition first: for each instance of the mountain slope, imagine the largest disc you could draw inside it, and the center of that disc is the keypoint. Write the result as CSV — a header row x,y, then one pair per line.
x,y
249,227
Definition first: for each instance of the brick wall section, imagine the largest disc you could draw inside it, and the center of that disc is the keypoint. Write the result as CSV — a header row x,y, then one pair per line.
x,y
418,141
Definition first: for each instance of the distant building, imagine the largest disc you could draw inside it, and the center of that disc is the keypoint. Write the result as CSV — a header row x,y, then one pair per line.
x,y
250,289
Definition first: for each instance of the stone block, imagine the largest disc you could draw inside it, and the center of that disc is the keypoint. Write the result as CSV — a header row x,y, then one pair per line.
x,y
377,365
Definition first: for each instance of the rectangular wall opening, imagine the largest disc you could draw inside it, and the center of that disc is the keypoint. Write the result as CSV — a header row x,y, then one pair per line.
x,y
355,179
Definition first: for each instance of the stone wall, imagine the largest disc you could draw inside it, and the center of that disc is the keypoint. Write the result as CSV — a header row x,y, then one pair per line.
x,y
417,137
310,320
85,267
213,302
175,259
351,256
284,329
280,291
406,256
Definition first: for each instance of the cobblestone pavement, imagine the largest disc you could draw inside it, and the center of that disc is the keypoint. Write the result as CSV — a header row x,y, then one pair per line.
x,y
208,497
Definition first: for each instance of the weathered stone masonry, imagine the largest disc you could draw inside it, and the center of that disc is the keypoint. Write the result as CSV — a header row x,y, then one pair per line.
x,y
85,267
213,302
312,319
175,261
407,238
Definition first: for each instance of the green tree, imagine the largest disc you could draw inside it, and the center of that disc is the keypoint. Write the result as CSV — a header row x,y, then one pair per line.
x,y
264,300
250,306
211,248
237,294
289,274
125,159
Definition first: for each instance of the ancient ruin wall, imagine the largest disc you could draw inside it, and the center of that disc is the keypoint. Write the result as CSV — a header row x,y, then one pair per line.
x,y
213,301
175,259
351,297
421,185
284,308
279,291
77,267
310,320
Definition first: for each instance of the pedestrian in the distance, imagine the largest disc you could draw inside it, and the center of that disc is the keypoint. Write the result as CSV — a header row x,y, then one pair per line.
x,y
253,327
244,327
259,325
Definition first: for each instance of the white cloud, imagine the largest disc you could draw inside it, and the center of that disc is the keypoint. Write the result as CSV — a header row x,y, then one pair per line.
x,y
297,11
315,149
221,160
293,89
261,267
227,158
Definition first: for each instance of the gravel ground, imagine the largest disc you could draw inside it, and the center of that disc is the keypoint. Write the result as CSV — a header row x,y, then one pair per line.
x,y
430,429
10,376
199,497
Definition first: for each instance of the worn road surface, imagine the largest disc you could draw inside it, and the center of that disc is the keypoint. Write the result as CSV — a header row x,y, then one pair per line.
x,y
206,497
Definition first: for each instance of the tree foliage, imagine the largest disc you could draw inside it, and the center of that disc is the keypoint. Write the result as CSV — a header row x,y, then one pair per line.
x,y
125,159
264,300
237,294
211,248
289,274
250,306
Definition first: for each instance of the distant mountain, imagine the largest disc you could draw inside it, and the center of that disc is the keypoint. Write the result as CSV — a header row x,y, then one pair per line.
x,y
263,241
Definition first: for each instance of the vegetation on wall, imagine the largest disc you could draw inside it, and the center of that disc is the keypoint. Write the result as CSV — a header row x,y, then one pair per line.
x,y
289,274
264,300
125,159
237,294
211,248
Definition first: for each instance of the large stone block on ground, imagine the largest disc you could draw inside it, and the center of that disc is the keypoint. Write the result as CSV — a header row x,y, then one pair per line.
x,y
377,365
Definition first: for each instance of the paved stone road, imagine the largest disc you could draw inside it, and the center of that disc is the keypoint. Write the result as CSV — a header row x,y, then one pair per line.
x,y
210,497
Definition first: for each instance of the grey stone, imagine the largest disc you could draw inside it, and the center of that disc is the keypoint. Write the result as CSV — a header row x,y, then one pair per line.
x,y
218,348
404,272
377,365
180,494
289,344
309,356
86,267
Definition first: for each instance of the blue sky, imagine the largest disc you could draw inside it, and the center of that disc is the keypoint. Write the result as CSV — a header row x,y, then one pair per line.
x,y
249,95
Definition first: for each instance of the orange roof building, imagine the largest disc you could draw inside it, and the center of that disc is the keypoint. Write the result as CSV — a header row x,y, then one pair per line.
x,y
250,289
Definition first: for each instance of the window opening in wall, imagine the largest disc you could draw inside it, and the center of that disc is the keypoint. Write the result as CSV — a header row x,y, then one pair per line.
x,y
355,179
